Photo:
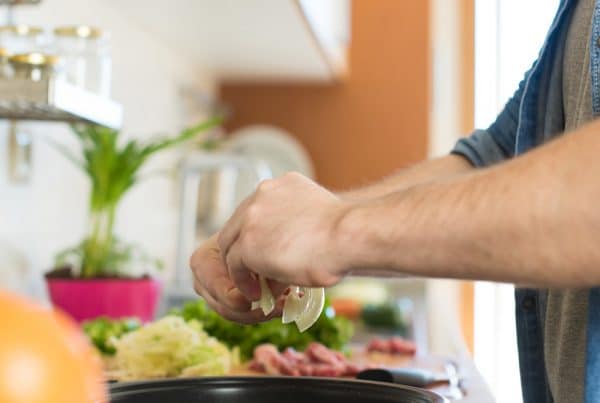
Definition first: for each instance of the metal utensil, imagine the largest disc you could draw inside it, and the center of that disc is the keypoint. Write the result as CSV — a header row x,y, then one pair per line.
x,y
418,377
404,376
455,390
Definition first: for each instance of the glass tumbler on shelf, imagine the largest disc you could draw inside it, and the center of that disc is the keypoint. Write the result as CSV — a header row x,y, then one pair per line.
x,y
34,66
86,54
18,39
5,68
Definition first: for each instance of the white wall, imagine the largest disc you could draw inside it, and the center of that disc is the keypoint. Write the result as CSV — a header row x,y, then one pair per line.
x,y
49,213
446,53
443,296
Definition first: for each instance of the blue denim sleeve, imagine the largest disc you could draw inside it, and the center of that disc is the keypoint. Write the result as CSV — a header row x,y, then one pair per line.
x,y
496,143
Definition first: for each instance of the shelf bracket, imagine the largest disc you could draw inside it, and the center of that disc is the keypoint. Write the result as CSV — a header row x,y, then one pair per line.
x,y
19,153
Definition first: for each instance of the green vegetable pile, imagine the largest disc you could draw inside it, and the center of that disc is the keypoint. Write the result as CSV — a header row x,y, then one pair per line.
x,y
101,330
171,347
332,331
386,316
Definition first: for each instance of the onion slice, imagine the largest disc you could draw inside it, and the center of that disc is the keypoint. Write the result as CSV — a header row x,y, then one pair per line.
x,y
294,305
266,301
303,305
315,301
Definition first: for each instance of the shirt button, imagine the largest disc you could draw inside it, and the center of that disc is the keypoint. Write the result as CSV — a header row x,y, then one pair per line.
x,y
528,304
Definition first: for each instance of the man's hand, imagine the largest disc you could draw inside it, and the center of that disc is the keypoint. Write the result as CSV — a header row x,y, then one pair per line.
x,y
285,232
212,282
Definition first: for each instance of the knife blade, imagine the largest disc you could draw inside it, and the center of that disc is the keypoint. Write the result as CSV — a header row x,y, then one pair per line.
x,y
405,376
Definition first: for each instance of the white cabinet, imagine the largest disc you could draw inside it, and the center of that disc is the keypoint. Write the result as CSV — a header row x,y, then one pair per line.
x,y
252,40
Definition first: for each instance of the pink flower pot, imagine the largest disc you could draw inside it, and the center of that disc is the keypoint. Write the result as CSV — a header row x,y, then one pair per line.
x,y
116,298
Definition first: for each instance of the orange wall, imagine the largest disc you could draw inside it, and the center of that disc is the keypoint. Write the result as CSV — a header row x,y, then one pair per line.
x,y
372,123
467,43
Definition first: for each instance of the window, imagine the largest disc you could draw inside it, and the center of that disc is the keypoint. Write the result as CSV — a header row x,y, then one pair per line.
x,y
508,36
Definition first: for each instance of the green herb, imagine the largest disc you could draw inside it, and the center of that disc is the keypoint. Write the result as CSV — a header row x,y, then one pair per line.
x,y
387,316
332,331
101,330
112,169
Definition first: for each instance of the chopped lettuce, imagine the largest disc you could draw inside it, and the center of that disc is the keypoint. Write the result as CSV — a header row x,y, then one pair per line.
x,y
332,331
102,329
107,335
171,347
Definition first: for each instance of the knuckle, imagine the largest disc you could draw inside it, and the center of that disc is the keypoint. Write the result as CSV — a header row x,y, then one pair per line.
x,y
265,185
253,211
195,260
321,278
253,215
293,176
220,241
247,246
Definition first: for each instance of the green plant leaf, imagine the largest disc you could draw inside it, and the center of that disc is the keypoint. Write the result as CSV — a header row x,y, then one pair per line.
x,y
187,134
113,170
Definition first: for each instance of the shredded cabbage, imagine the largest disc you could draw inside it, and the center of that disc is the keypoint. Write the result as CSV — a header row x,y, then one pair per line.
x,y
171,347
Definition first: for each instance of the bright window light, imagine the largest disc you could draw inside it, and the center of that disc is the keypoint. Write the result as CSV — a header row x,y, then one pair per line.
x,y
508,37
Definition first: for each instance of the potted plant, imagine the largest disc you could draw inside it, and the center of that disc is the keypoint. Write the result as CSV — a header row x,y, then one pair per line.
x,y
94,278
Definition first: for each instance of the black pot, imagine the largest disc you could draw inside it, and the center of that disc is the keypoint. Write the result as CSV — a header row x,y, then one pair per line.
x,y
267,389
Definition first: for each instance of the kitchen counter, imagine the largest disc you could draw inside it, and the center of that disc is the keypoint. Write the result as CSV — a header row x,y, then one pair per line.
x,y
472,384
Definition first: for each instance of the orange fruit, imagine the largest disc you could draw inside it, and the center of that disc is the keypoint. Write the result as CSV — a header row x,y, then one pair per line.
x,y
44,357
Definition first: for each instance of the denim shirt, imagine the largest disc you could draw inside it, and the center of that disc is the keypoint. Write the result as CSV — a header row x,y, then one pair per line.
x,y
531,117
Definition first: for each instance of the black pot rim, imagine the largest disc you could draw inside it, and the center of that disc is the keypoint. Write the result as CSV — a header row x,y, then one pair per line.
x,y
124,389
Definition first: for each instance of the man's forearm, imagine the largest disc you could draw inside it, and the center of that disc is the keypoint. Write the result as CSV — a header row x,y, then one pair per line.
x,y
533,220
426,171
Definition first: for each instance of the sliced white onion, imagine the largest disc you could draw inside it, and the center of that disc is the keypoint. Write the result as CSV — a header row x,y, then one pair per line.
x,y
303,305
314,307
315,301
293,306
266,301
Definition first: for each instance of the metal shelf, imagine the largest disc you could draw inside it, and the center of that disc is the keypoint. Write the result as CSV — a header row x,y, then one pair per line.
x,y
56,100
18,2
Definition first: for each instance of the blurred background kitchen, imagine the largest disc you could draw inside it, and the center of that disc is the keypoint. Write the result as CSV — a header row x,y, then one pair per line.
x,y
343,91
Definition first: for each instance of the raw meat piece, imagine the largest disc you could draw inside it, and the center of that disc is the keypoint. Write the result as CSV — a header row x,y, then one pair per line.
x,y
401,346
294,356
394,345
353,369
328,370
273,362
377,344
316,360
319,353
